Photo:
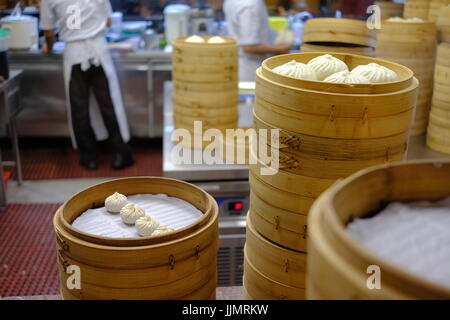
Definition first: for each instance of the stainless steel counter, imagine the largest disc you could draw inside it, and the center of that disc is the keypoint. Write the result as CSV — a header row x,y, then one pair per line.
x,y
141,75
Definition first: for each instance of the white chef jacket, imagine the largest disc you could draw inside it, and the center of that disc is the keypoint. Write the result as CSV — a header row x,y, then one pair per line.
x,y
82,25
65,14
248,23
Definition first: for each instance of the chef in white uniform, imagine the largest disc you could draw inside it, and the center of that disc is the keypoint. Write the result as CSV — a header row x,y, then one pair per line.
x,y
88,66
248,23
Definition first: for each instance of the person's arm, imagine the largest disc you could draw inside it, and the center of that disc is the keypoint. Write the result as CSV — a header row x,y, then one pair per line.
x,y
249,39
50,36
48,25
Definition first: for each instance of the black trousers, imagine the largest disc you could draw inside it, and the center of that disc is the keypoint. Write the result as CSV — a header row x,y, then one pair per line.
x,y
81,83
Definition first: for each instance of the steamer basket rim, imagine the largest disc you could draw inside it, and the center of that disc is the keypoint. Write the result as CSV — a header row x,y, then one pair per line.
x,y
213,208
326,201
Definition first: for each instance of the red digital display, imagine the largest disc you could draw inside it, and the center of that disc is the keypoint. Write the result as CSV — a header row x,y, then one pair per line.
x,y
238,206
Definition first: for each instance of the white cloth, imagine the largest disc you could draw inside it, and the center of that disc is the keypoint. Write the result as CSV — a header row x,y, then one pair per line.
x,y
248,23
86,46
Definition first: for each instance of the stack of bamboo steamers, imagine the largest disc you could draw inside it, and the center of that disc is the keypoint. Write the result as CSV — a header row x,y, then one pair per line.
x,y
438,137
338,35
390,9
205,84
412,44
327,131
424,9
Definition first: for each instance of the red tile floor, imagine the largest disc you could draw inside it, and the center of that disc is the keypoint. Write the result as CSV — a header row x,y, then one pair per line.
x,y
63,163
27,252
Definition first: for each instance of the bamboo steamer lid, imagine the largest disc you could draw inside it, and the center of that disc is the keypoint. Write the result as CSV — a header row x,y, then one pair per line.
x,y
443,24
337,47
338,30
177,265
337,263
390,9
279,264
435,7
416,9
406,77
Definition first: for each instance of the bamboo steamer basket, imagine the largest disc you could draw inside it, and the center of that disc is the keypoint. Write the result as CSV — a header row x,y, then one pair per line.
x,y
265,263
182,86
203,112
337,47
337,263
205,86
406,76
210,99
206,76
438,137
277,263
174,266
331,126
245,295
443,24
279,198
227,49
282,227
204,103
412,45
240,147
411,32
390,9
293,183
206,125
435,7
205,63
337,149
416,9
209,122
338,30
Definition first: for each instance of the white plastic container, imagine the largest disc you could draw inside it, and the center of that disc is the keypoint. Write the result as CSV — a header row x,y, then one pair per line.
x,y
23,31
177,18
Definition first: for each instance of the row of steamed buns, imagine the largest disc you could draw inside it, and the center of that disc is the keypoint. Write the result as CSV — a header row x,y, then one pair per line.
x,y
331,69
132,214
197,39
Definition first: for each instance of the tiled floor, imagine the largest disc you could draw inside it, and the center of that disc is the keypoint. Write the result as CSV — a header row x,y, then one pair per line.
x,y
27,250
